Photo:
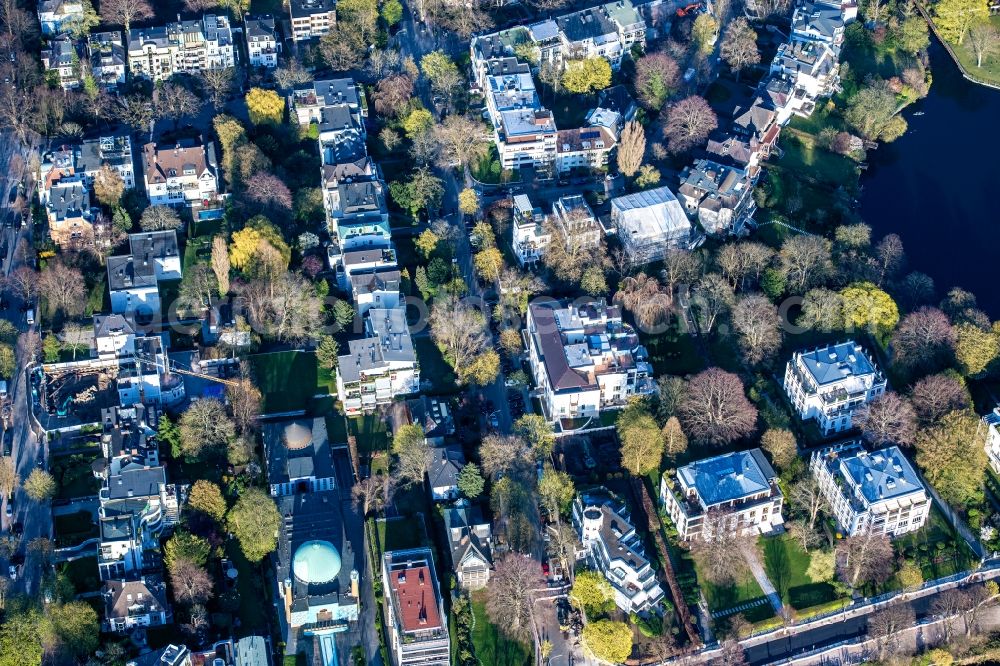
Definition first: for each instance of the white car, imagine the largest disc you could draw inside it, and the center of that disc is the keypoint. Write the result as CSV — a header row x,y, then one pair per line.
x,y
12,572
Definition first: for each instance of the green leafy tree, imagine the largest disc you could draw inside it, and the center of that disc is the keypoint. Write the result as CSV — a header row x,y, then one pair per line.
x,y
21,637
536,431
609,640
592,593
412,453
587,75
781,446
948,461
975,349
471,482
642,442
205,428
910,576
556,491
468,201
186,546
206,497
912,35
8,362
255,521
417,122
392,12
427,243
704,32
441,71
169,435
865,306
593,282
954,18
74,628
422,192
266,107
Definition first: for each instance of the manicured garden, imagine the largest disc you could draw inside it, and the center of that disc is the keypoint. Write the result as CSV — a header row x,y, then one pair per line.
x,y
288,380
787,567
936,548
370,431
744,591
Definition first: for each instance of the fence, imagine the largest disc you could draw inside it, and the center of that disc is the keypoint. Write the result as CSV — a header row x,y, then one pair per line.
x,y
951,52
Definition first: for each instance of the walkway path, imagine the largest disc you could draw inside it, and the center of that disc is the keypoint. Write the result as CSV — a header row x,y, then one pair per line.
x,y
757,569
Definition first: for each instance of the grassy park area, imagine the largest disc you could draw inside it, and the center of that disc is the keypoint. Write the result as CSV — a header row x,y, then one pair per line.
x,y
745,591
288,380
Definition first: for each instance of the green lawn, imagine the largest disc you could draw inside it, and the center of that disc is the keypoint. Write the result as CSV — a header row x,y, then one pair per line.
x,y
288,380
400,533
254,597
722,598
802,155
786,564
434,367
370,431
82,573
74,528
74,476
673,353
197,250
936,548
490,645
990,71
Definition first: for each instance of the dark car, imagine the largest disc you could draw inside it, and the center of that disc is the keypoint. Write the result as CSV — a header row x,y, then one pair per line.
x,y
17,529
13,194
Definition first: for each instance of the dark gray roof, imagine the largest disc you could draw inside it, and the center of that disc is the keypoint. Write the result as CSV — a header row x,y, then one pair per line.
x,y
151,245
586,24
303,8
561,376
834,363
381,279
446,464
328,92
260,28
297,449
728,477
122,274
137,483
467,530
114,150
67,200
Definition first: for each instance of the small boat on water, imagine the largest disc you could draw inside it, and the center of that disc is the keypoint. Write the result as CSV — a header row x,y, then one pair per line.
x,y
918,113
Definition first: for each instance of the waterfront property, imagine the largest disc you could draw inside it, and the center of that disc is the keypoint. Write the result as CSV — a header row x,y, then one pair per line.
x,y
414,610
829,384
584,358
614,548
875,491
739,489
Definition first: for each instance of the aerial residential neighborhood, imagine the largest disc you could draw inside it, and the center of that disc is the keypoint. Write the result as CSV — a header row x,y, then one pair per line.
x,y
520,333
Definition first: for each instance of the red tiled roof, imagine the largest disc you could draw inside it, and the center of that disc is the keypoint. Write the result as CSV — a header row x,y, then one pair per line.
x,y
416,599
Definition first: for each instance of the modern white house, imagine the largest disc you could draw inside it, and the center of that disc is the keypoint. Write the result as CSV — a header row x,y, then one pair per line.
x,y
133,278
992,423
379,367
181,47
614,548
263,44
733,491
649,223
822,20
311,18
416,624
877,491
584,358
828,384
308,100
58,16
184,174
529,237
720,197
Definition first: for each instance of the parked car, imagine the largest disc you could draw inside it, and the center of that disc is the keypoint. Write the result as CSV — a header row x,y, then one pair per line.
x,y
12,572
9,510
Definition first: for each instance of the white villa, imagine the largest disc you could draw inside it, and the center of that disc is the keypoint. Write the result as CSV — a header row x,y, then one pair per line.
x,y
877,491
829,384
528,235
741,487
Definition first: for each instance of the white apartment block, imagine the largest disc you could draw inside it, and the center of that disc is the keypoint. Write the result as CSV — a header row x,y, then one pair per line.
x,y
416,625
585,149
821,21
528,234
733,491
523,130
185,174
263,45
186,47
829,384
876,491
311,18
992,423
615,549
584,358
379,367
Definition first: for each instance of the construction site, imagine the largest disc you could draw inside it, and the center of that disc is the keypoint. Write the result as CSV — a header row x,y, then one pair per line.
x,y
78,394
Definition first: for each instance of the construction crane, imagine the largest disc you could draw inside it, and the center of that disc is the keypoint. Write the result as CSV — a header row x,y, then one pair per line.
x,y
166,368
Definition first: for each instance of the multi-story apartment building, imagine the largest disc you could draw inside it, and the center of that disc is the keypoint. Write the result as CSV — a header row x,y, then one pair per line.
x,y
312,18
734,491
356,213
371,275
414,610
132,278
822,21
614,548
584,358
135,603
524,131
528,234
71,220
308,101
573,218
58,16
649,223
992,423
586,148
184,174
62,62
829,384
113,151
812,68
107,58
876,491
263,44
719,197
380,366
185,47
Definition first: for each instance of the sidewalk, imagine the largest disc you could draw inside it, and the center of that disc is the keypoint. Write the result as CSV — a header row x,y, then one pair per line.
x,y
757,569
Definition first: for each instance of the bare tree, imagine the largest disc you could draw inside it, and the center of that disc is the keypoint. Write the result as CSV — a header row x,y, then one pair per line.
x,y
459,140
413,455
123,12
887,419
711,298
866,557
739,46
217,84
679,267
158,218
822,310
374,493
190,583
284,308
62,287
984,40
175,102
510,600
730,654
925,339
504,454
656,78
291,74
688,123
806,496
886,626
714,409
136,111
23,282
721,547
743,262
269,191
9,479
631,148
393,94
755,318
643,296
890,257
807,537
245,402
935,395
108,186
806,260
948,605
459,330
17,110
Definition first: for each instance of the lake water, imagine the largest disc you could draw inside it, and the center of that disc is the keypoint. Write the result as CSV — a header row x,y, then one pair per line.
x,y
938,186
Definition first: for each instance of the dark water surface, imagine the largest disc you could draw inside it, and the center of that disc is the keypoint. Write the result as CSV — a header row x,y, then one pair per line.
x,y
938,186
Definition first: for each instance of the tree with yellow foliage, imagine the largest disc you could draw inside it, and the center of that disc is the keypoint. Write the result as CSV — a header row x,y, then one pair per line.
x,y
265,106
468,201
588,75
248,244
954,18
